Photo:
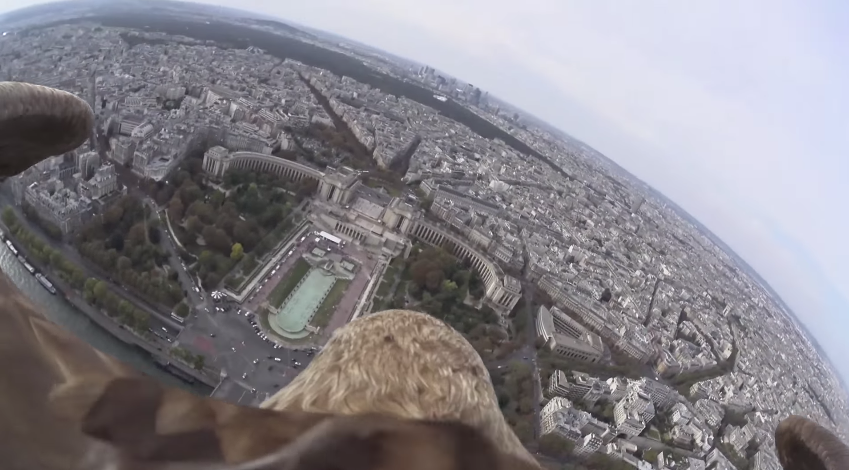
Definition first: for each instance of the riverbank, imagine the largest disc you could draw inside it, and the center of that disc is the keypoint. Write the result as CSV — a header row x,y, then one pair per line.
x,y
74,299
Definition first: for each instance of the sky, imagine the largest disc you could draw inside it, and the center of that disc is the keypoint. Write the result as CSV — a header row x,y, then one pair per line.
x,y
737,111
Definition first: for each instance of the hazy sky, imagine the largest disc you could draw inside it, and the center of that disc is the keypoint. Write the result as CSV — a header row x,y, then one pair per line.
x,y
738,111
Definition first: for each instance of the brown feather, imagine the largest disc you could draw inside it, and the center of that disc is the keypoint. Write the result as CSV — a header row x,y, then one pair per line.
x,y
805,445
37,122
405,364
37,356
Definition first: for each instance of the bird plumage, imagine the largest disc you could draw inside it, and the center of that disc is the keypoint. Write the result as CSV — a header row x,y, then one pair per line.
x,y
405,364
803,444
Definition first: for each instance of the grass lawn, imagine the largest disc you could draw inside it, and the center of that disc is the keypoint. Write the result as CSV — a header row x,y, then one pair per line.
x,y
288,283
325,311
249,265
383,289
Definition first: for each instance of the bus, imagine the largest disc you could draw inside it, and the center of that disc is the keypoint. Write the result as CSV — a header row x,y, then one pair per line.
x,y
177,318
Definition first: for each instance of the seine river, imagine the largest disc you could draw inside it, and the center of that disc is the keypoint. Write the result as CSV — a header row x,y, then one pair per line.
x,y
63,314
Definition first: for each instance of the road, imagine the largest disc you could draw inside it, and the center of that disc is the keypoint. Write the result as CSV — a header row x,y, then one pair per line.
x,y
235,346
185,279
529,351
646,443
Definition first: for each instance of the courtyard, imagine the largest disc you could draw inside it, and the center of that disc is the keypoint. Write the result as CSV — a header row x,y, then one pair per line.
x,y
291,320
313,291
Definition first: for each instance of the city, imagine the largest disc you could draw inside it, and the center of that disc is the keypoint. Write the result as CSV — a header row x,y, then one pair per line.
x,y
234,208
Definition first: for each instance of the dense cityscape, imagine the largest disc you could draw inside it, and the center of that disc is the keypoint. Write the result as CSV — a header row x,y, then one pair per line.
x,y
234,208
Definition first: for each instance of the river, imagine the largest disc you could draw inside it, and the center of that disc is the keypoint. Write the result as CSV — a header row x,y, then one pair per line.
x,y
63,314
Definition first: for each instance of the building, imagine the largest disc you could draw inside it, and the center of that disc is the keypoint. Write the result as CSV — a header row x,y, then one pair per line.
x,y
765,460
579,387
566,338
218,160
103,183
363,215
123,150
559,417
88,162
58,205
633,412
661,395
129,123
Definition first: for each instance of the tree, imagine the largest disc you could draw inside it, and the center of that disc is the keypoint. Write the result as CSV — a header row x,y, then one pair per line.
x,y
194,225
181,310
116,241
100,291
90,283
206,259
137,235
77,278
217,239
141,320
555,445
113,215
124,264
198,362
125,309
176,209
606,295
433,280
237,252
650,455
153,233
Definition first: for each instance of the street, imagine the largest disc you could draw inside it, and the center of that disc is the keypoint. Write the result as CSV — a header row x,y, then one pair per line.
x,y
186,281
235,346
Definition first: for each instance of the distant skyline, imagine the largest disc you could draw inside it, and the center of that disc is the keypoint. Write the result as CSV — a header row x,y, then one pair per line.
x,y
737,111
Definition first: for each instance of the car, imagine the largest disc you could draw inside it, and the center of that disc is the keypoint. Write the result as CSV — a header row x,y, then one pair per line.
x,y
277,359
212,335
245,375
234,349
256,361
253,390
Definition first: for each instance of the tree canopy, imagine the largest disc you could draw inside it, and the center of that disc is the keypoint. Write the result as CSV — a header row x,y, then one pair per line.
x,y
125,241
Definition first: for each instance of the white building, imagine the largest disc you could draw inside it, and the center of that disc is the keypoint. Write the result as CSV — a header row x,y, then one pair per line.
x,y
566,338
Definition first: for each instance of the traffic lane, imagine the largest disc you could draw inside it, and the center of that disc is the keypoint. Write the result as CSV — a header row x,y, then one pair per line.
x,y
266,372
231,343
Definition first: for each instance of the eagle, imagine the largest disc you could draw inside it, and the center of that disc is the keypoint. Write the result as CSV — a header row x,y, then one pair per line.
x,y
391,390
